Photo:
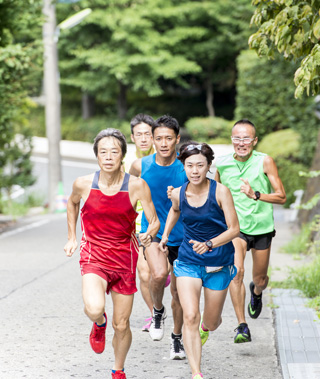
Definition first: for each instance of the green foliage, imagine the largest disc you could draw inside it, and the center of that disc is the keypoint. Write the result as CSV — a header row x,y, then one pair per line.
x,y
293,29
77,129
21,208
283,147
265,95
284,143
307,278
209,129
17,59
152,46
301,242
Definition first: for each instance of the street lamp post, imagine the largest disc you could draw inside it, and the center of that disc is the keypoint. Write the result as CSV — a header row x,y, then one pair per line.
x,y
52,101
52,92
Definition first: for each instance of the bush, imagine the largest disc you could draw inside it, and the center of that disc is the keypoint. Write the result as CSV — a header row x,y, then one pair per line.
x,y
283,147
74,128
209,129
77,129
265,95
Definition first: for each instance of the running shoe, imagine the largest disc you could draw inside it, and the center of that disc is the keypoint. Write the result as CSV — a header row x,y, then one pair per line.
x,y
146,327
203,335
197,376
176,348
156,330
243,334
98,337
168,281
255,305
119,374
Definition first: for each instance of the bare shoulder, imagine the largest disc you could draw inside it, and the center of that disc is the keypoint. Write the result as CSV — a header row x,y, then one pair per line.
x,y
135,168
268,164
82,183
222,190
136,183
176,193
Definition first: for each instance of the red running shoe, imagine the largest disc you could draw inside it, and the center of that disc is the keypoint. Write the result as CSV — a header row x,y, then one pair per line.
x,y
119,374
98,337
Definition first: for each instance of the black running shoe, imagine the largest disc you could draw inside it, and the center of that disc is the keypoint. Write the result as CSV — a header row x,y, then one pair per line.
x,y
255,305
243,334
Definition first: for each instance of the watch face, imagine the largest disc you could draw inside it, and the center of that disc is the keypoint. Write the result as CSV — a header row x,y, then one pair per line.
x,y
209,244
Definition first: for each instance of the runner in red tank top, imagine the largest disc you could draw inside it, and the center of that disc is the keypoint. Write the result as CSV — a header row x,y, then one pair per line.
x,y
108,249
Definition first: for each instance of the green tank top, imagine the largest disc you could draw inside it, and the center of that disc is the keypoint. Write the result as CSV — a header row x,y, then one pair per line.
x,y
255,217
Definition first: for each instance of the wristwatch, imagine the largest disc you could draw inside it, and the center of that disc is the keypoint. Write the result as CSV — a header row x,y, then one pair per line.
x,y
209,244
258,194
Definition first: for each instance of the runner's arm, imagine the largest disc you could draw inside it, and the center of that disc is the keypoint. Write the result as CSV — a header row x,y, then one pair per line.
x,y
225,200
144,195
135,168
217,177
73,207
279,194
172,218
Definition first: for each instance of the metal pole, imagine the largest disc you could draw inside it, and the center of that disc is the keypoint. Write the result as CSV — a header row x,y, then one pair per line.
x,y
52,101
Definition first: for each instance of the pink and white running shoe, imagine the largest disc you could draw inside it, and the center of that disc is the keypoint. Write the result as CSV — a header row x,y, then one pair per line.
x,y
146,327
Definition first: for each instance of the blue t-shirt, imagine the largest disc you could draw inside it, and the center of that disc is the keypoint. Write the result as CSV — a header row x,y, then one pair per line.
x,y
201,224
158,179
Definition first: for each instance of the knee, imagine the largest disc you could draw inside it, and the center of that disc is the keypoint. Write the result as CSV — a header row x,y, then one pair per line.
x,y
159,276
174,294
144,275
120,326
214,324
93,311
238,279
191,319
261,281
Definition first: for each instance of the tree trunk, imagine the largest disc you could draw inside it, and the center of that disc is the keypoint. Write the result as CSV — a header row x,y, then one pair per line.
x,y
122,101
313,187
209,97
88,106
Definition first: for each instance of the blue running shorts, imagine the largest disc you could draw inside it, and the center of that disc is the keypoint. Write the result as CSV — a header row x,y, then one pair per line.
x,y
217,281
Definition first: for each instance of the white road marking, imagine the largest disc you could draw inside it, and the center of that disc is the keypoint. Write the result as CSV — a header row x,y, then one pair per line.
x,y
24,228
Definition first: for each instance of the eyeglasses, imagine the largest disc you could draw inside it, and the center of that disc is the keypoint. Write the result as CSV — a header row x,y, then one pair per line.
x,y
192,147
246,141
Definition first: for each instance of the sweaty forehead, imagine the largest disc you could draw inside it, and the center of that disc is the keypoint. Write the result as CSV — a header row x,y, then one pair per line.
x,y
141,128
196,158
243,130
109,142
162,131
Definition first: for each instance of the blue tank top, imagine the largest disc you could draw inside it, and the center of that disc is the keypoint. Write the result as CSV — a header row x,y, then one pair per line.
x,y
201,224
158,179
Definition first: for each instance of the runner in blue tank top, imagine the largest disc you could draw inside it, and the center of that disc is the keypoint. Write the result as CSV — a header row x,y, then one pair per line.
x,y
160,171
206,255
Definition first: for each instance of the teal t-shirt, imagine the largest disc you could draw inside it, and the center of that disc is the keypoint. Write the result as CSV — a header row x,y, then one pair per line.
x,y
255,217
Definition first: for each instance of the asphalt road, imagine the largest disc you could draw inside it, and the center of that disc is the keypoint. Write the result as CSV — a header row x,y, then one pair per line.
x,y
44,332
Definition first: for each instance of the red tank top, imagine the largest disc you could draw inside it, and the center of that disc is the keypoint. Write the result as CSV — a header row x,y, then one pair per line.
x,y
108,224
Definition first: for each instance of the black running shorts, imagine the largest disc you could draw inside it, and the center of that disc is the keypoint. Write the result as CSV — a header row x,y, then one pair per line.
x,y
259,242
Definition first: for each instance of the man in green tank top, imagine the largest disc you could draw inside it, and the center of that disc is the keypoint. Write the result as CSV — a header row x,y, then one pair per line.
x,y
251,176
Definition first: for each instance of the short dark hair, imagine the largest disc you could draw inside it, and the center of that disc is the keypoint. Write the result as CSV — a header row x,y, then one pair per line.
x,y
167,121
245,121
139,118
110,132
186,152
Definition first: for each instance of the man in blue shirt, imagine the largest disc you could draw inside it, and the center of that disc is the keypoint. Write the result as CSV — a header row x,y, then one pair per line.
x,y
161,170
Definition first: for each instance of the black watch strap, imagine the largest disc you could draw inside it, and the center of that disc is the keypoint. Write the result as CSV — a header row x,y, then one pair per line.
x,y
258,194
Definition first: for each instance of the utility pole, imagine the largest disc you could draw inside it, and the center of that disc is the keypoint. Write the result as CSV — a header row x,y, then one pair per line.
x,y
52,100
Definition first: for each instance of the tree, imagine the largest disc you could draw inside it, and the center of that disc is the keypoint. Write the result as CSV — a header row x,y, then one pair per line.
x,y
291,27
154,47
118,48
17,59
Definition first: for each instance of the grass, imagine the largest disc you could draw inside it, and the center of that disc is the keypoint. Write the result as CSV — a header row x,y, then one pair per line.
x,y
21,208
